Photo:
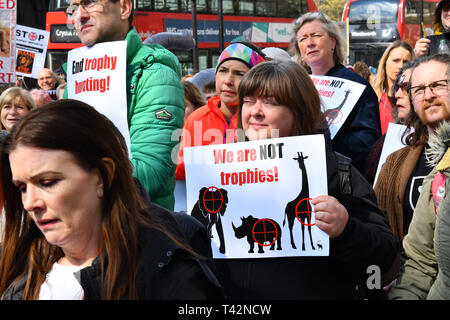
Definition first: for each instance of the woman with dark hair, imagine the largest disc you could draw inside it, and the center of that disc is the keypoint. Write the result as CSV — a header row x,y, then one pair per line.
x,y
75,224
278,99
401,106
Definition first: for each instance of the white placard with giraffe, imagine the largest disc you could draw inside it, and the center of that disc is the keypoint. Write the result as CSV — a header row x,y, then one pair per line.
x,y
254,197
338,96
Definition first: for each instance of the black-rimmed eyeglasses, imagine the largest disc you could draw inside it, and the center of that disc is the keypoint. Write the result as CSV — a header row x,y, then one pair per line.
x,y
438,87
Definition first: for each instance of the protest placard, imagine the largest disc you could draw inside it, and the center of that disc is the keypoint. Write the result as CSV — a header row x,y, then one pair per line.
x,y
392,142
338,96
254,197
31,45
7,41
97,76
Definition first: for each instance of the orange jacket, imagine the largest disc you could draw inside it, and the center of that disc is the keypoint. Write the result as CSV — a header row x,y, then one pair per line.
x,y
206,125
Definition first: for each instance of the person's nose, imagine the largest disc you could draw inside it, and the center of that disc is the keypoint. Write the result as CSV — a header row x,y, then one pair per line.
x,y
398,94
81,14
257,109
31,199
428,94
310,42
13,111
229,79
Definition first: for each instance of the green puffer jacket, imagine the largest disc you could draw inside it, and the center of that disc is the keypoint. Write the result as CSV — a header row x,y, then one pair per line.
x,y
425,273
155,99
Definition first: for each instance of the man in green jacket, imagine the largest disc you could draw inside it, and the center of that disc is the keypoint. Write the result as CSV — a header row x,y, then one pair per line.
x,y
155,95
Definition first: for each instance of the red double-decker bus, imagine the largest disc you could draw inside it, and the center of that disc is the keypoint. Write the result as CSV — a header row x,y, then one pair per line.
x,y
374,24
263,22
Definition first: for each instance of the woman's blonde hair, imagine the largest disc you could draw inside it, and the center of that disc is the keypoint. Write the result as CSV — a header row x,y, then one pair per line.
x,y
11,93
380,81
330,27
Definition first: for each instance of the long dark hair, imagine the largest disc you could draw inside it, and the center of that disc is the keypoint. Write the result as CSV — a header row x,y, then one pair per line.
x,y
75,127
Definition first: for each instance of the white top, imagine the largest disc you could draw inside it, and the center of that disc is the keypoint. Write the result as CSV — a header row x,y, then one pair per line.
x,y
61,284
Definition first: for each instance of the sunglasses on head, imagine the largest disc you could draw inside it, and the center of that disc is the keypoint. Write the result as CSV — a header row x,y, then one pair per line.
x,y
402,84
311,15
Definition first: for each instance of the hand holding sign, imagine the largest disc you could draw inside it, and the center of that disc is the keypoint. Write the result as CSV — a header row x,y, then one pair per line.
x,y
331,216
260,188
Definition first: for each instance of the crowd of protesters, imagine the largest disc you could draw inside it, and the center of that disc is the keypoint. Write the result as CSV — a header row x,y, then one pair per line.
x,y
82,220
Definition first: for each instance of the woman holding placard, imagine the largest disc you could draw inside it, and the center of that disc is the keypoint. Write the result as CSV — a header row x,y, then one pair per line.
x,y
318,45
278,99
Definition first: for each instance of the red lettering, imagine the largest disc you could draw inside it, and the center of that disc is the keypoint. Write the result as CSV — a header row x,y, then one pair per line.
x,y
6,77
223,156
9,4
249,176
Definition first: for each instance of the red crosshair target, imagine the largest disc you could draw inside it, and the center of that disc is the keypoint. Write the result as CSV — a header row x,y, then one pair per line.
x,y
212,204
267,229
334,117
304,211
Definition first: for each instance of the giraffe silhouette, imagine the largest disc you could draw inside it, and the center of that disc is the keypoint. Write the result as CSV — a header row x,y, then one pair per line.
x,y
331,114
300,207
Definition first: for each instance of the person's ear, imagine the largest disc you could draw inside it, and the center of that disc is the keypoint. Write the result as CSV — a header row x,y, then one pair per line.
x,y
333,46
110,170
126,6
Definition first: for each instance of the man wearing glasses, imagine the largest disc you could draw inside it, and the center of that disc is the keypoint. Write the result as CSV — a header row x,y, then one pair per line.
x,y
399,182
425,272
155,95
429,91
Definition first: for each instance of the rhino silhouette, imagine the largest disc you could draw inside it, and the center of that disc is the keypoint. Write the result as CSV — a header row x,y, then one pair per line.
x,y
257,230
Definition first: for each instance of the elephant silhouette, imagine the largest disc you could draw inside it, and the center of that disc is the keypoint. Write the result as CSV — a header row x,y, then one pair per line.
x,y
210,206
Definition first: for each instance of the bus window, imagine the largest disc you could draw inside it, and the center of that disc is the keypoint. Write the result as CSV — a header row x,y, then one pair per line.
x,y
265,8
428,12
373,12
202,6
412,9
412,12
144,4
287,9
166,5
246,7
227,6
59,5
